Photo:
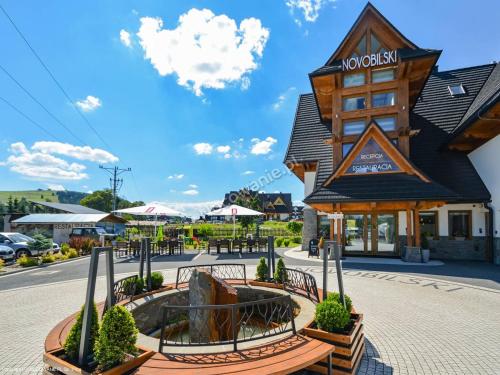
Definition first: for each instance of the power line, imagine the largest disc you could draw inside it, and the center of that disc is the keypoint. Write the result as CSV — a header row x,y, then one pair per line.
x,y
27,117
41,105
54,78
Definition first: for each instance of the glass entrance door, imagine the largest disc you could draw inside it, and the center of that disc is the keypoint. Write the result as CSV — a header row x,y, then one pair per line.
x,y
357,233
386,233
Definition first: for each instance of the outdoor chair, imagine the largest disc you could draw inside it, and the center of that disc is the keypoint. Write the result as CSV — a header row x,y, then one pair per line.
x,y
250,244
212,243
135,248
162,246
225,243
238,244
173,245
120,248
262,243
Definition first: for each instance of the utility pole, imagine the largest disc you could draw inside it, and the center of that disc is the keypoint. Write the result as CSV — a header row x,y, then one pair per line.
x,y
115,182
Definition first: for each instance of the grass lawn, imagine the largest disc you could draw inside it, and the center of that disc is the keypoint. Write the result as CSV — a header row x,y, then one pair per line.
x,y
34,195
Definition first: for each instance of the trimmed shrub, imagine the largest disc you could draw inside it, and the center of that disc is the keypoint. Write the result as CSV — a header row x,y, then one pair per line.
x,y
280,267
2,263
49,258
117,337
331,316
40,243
25,261
60,256
286,242
262,270
139,285
156,280
295,227
279,242
297,239
72,343
72,253
64,248
334,296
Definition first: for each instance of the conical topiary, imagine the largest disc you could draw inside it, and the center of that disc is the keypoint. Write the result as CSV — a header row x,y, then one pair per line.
x,y
262,270
72,343
279,274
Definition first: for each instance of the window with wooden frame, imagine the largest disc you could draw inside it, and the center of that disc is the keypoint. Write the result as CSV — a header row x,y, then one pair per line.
x,y
429,224
383,99
346,147
354,79
383,75
386,123
352,127
353,103
460,225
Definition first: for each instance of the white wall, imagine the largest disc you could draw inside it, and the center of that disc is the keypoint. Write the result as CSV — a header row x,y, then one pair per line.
x,y
309,178
485,160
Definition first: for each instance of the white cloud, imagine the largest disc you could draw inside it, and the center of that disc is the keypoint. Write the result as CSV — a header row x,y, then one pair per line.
x,y
193,209
247,173
203,148
193,186
227,156
282,98
204,50
96,155
42,166
309,8
125,38
245,83
89,104
190,192
223,149
56,187
262,147
176,177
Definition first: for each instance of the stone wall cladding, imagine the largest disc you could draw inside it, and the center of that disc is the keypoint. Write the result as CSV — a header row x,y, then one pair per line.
x,y
310,228
444,248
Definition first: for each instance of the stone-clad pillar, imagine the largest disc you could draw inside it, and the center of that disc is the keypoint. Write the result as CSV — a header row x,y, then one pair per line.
x,y
310,229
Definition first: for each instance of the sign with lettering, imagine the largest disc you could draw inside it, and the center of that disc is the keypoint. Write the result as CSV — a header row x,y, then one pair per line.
x,y
366,61
372,159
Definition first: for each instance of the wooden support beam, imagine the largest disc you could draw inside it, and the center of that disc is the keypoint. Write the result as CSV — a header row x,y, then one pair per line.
x,y
409,241
332,229
416,223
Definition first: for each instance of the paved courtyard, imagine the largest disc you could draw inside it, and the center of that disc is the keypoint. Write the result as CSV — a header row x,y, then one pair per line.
x,y
414,324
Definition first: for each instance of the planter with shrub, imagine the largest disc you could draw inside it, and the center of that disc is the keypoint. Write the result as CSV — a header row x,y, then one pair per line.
x,y
112,346
339,326
156,280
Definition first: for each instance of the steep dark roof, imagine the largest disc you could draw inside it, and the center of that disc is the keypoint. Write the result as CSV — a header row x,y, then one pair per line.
x,y
380,187
487,97
69,208
436,103
308,136
267,198
436,115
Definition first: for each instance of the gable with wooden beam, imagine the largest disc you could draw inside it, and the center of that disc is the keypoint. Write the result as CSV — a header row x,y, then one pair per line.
x,y
374,153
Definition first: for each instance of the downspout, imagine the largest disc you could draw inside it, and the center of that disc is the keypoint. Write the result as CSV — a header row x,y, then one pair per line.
x,y
491,251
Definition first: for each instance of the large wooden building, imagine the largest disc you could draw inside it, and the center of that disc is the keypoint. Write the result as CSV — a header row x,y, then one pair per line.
x,y
388,141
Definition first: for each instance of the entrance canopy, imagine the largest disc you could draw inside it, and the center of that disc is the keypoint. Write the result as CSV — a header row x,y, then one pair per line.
x,y
150,209
234,210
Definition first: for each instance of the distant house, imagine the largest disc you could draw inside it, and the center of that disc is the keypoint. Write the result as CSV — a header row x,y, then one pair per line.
x,y
60,208
298,213
275,206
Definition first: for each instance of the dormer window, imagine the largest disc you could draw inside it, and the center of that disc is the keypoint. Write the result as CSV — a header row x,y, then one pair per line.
x,y
456,90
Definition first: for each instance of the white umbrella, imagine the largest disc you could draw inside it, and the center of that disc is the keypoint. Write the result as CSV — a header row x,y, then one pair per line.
x,y
150,209
234,210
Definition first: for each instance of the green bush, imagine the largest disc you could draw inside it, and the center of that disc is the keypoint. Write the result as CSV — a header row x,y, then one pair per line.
x,y
117,337
279,241
331,316
297,239
205,230
156,280
334,296
2,263
72,343
286,242
139,285
25,261
64,248
295,227
72,253
60,256
49,258
40,243
262,270
280,267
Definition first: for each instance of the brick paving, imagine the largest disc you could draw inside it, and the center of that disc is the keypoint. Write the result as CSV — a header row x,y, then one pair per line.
x,y
412,325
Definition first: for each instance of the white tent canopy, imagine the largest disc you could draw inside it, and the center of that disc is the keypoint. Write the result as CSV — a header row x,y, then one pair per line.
x,y
150,209
234,210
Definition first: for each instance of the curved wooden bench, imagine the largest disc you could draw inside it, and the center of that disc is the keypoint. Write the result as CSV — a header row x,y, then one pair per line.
x,y
279,357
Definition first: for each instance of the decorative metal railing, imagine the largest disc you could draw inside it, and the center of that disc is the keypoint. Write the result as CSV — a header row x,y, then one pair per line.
x,y
300,282
124,289
225,271
208,325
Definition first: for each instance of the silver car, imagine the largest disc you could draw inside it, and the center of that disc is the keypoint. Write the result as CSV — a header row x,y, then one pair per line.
x,y
19,243
6,254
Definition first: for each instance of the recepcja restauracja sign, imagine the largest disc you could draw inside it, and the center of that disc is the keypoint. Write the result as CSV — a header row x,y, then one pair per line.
x,y
366,61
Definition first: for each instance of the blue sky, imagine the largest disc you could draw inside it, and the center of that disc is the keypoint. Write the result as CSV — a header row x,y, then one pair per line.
x,y
193,116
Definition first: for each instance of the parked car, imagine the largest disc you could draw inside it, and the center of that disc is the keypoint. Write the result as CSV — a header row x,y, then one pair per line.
x,y
6,253
91,232
19,243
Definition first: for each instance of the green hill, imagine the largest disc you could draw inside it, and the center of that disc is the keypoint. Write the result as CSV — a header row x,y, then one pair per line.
x,y
43,195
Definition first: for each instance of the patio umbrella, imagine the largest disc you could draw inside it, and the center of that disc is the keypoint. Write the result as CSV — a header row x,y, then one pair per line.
x,y
234,210
150,209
